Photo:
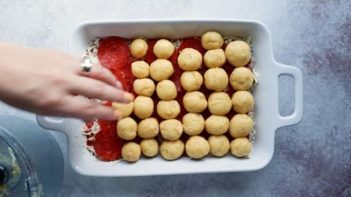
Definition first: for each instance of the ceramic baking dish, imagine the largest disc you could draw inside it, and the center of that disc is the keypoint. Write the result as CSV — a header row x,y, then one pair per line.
x,y
267,116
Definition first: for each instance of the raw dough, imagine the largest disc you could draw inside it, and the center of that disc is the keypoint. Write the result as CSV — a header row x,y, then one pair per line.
x,y
171,129
211,40
161,69
127,128
219,103
168,109
240,125
214,58
131,152
140,69
193,124
243,102
144,87
123,110
189,59
191,80
216,79
241,78
138,48
240,147
149,147
194,102
148,128
197,147
166,90
219,145
238,53
171,150
163,49
143,107
217,125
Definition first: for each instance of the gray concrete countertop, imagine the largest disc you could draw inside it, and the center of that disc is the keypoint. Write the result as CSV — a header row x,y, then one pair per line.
x,y
312,158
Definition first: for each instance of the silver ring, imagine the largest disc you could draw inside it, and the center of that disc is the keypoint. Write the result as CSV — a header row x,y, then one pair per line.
x,y
86,64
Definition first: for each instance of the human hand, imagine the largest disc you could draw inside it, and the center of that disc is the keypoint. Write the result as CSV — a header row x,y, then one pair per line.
x,y
47,82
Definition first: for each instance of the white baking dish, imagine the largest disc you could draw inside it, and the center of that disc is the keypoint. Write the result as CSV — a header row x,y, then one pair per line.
x,y
267,117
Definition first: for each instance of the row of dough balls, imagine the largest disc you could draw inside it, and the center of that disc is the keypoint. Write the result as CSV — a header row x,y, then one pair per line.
x,y
215,79
219,103
143,107
192,124
196,147
238,53
163,48
190,60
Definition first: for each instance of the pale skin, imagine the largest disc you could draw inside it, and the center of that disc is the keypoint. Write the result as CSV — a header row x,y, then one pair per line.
x,y
47,82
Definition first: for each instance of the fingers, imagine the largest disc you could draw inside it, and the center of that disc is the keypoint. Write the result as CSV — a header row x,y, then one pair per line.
x,y
85,109
101,73
96,89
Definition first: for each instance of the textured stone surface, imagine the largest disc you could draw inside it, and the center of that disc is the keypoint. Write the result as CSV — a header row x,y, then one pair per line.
x,y
312,158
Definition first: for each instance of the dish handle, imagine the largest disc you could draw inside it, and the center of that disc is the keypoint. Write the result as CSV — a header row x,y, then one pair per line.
x,y
296,116
51,123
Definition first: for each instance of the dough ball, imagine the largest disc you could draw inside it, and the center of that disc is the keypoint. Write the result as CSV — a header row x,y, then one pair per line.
x,y
127,128
216,79
171,129
140,69
131,152
217,125
197,147
189,59
211,40
171,150
161,69
241,78
214,58
191,80
149,147
163,49
166,90
124,110
148,128
243,102
168,109
193,124
240,125
194,102
138,48
238,53
144,87
240,147
219,103
219,145
143,107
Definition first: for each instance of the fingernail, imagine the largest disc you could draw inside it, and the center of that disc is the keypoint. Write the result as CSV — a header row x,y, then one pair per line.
x,y
128,97
119,85
117,115
111,117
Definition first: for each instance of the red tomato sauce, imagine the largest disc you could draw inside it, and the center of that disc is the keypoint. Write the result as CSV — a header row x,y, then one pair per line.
x,y
114,54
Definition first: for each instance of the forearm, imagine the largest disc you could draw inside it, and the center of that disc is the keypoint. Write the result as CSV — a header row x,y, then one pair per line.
x,y
8,53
